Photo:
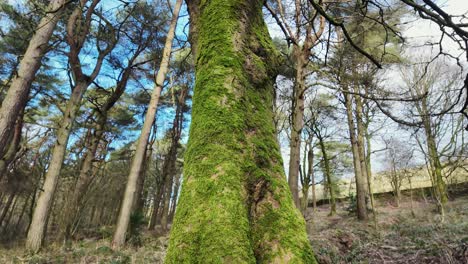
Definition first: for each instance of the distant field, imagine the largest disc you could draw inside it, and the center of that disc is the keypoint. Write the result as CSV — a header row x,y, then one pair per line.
x,y
381,183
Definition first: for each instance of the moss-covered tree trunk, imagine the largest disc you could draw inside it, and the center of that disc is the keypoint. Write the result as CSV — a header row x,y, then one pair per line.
x,y
235,205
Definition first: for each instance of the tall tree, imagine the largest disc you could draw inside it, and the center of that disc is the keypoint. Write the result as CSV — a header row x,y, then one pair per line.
x,y
137,163
17,94
169,166
304,35
78,27
436,130
235,204
140,36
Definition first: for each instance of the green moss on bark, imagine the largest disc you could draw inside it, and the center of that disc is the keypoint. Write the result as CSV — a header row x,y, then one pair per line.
x,y
235,205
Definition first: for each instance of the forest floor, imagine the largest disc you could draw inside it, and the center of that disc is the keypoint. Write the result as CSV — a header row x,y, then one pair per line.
x,y
400,238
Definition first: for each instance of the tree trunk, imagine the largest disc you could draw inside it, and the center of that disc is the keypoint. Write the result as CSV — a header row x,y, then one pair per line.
x,y
23,211
140,196
166,201
7,207
126,209
45,200
296,127
361,147
235,205
169,171
360,183
369,174
169,167
312,177
17,94
13,147
10,214
330,183
86,174
84,178
156,203
177,180
436,166
411,197
77,32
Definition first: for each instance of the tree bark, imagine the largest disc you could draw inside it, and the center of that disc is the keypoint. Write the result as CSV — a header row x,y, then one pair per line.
x,y
156,206
169,171
45,200
169,168
360,183
361,147
126,209
297,126
434,160
71,208
13,147
305,178
17,95
235,205
139,201
327,171
310,159
177,180
77,32
86,175
7,206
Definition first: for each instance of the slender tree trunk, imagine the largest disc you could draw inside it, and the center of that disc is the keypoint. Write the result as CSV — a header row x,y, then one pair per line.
x,y
411,197
369,175
77,30
156,206
330,183
161,205
360,183
436,166
126,209
23,211
86,172
13,147
17,94
169,168
235,205
361,147
433,156
165,204
10,214
169,171
45,200
296,127
302,52
174,197
7,207
312,177
140,193
72,206
305,181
